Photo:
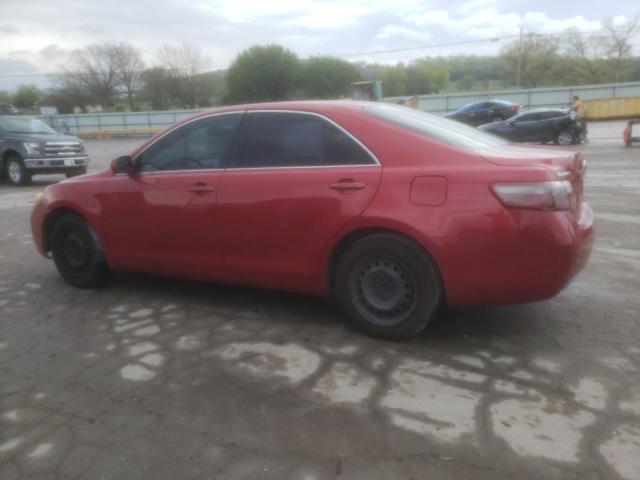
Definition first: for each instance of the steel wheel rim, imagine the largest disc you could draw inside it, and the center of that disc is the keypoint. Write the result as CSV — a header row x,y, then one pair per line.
x,y
14,172
385,291
76,251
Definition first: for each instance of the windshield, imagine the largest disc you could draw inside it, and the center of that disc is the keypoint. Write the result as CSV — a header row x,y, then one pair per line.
x,y
24,125
437,128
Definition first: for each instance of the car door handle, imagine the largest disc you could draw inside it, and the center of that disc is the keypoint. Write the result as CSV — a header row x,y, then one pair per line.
x,y
201,188
347,186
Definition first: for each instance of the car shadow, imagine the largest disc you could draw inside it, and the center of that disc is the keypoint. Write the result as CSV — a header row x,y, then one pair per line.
x,y
450,325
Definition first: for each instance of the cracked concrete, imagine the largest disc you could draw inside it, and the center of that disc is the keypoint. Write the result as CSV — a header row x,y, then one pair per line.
x,y
161,378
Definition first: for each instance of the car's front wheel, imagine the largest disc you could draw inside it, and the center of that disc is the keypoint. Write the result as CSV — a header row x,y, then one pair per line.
x,y
388,286
77,254
16,172
565,137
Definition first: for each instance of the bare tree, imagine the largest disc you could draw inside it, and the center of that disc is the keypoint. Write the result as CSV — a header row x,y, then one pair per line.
x,y
591,50
129,67
183,65
95,69
618,40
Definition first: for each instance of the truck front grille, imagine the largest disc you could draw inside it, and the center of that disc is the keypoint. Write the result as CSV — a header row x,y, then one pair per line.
x,y
62,149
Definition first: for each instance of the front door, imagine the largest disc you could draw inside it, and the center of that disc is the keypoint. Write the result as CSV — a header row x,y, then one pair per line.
x,y
295,179
163,217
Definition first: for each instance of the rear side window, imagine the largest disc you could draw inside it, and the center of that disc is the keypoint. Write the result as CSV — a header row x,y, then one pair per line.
x,y
434,127
283,139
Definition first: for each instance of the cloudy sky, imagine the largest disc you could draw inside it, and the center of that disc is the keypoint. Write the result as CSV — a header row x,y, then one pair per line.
x,y
36,36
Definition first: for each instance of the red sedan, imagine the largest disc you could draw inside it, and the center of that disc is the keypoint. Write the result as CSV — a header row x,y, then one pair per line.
x,y
390,210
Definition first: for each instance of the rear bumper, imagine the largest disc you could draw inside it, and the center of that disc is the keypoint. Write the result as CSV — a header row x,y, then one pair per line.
x,y
54,164
533,262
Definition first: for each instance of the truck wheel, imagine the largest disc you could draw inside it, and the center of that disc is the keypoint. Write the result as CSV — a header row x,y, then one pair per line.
x,y
16,172
388,286
77,254
75,173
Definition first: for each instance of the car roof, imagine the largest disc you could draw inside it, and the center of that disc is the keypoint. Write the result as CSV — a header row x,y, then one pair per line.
x,y
318,106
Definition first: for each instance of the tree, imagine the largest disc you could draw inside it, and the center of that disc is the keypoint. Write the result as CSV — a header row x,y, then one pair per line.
x,y
591,52
183,65
5,97
618,41
156,89
424,77
26,96
394,81
129,67
537,56
262,73
327,77
95,70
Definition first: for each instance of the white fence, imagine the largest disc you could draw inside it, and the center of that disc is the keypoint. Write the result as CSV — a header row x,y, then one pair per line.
x,y
129,123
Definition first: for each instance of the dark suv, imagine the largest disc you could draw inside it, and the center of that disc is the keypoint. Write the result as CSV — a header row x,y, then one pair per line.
x,y
28,146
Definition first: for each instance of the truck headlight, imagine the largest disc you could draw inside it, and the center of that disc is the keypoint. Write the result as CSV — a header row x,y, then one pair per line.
x,y
33,148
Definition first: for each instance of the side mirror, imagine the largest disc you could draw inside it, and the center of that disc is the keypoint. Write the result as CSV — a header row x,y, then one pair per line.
x,y
122,164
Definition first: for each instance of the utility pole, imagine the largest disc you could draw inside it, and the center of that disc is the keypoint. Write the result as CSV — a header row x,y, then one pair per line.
x,y
520,48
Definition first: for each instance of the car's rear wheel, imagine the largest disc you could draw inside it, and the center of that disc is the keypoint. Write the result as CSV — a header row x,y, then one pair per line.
x,y
565,137
16,172
388,286
76,172
77,254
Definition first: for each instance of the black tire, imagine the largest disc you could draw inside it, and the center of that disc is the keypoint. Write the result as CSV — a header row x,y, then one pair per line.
x,y
77,254
15,171
565,137
76,172
389,286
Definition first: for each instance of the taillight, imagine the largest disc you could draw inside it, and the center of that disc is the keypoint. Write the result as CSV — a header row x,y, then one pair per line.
x,y
514,108
555,195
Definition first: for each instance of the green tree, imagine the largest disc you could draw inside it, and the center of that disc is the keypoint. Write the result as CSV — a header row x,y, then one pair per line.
x,y
537,57
5,97
262,73
26,96
425,76
394,81
327,77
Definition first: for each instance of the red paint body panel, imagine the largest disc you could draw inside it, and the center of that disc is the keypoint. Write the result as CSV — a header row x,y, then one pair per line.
x,y
278,228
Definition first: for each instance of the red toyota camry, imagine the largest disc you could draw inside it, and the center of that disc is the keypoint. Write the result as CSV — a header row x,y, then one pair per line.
x,y
390,210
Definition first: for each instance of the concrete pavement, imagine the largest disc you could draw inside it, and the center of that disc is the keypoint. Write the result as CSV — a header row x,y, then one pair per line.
x,y
164,379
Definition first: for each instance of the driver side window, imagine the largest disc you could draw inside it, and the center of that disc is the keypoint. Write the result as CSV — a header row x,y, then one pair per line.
x,y
201,144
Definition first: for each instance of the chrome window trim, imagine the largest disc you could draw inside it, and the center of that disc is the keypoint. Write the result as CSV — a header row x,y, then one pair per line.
x,y
290,167
324,117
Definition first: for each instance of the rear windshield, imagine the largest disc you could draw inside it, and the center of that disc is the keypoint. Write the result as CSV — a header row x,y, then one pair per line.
x,y
437,128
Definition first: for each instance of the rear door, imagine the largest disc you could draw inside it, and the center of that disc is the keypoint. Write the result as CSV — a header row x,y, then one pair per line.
x,y
294,180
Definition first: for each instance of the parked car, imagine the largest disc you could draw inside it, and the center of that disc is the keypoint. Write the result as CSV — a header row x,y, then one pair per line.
x,y
8,109
484,112
28,147
391,211
542,125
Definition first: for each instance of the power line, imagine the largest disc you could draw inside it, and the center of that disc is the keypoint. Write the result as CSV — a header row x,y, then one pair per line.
x,y
358,54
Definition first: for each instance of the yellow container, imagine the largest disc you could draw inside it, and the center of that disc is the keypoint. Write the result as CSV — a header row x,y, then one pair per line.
x,y
611,108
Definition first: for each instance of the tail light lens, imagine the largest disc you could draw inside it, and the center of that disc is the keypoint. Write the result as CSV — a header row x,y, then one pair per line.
x,y
555,195
514,108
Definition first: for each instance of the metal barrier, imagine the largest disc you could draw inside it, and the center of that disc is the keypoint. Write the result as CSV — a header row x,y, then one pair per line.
x,y
146,123
531,98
